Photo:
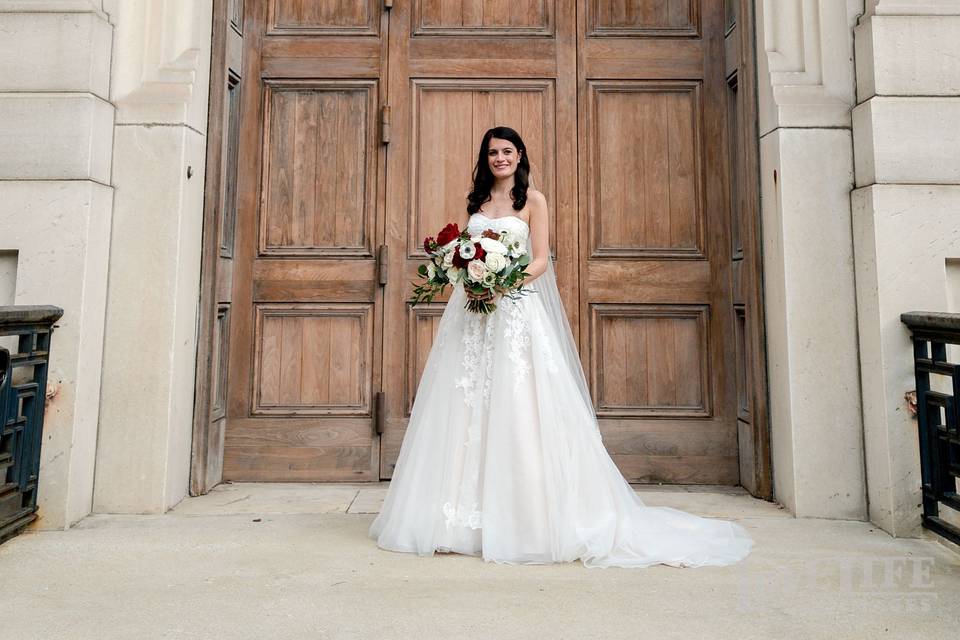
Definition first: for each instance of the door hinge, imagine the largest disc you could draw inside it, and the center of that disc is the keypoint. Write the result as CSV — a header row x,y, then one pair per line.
x,y
378,413
388,4
382,265
385,124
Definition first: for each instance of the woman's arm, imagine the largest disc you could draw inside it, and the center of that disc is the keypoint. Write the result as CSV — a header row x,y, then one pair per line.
x,y
464,215
539,234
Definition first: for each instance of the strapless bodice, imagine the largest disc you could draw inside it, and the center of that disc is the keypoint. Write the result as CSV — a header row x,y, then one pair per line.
x,y
478,222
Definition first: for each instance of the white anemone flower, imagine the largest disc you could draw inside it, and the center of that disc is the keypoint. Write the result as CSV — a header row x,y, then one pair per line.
x,y
493,246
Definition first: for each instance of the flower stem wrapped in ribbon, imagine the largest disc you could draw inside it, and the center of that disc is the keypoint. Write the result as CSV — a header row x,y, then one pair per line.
x,y
492,262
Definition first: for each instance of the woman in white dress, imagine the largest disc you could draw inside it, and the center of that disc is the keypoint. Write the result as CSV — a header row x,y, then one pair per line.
x,y
503,457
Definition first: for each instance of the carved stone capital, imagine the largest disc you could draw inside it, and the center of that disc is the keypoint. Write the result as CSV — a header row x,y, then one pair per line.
x,y
806,62
158,49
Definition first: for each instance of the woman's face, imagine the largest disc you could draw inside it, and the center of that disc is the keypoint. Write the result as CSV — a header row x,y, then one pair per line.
x,y
502,157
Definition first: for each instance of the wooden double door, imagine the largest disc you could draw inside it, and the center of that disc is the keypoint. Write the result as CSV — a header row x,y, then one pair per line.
x,y
356,127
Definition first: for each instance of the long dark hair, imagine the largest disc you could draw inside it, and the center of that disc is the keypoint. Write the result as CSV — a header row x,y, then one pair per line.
x,y
483,178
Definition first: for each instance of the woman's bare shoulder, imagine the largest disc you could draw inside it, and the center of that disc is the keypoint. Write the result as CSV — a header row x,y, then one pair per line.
x,y
536,197
537,201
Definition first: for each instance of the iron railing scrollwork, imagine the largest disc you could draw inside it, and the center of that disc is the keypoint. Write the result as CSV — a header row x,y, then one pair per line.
x,y
24,359
938,416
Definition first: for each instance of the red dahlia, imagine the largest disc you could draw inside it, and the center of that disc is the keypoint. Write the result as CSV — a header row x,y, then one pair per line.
x,y
449,232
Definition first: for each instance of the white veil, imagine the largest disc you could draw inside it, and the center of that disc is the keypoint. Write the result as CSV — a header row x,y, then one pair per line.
x,y
546,287
595,515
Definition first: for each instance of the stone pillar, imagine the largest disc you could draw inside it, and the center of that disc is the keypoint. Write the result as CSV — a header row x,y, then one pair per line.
x,y
906,214
56,137
160,88
806,91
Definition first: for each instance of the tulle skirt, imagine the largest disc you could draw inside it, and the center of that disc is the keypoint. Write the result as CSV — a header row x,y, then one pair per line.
x,y
503,459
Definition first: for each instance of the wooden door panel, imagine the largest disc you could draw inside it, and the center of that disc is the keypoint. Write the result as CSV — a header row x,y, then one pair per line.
x,y
320,17
651,360
313,360
646,177
487,16
643,17
422,326
319,175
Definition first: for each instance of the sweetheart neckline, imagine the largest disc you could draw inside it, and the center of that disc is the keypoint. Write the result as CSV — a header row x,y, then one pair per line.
x,y
479,213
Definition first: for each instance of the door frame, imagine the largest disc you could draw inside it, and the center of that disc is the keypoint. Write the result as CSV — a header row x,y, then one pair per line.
x,y
201,465
752,243
205,473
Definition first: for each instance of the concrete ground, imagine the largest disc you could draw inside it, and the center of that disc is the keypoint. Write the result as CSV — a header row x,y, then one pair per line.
x,y
293,561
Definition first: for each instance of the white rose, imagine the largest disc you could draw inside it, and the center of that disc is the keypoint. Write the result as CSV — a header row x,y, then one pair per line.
x,y
476,270
448,260
431,271
495,262
492,246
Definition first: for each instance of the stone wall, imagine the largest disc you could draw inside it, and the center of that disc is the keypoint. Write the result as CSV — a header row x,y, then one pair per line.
x,y
906,214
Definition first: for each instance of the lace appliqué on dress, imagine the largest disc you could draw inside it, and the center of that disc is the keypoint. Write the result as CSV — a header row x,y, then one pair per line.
x,y
462,517
472,350
478,333
517,330
478,337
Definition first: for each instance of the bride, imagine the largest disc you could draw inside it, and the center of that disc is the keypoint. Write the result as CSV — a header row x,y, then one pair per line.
x,y
503,457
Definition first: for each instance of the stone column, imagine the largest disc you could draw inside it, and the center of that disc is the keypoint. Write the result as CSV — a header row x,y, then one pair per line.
x,y
160,87
806,91
906,213
56,137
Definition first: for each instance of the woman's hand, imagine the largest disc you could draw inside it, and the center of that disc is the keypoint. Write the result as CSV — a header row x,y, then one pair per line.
x,y
486,295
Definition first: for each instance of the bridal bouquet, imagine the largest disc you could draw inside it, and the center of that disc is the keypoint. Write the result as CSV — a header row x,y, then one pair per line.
x,y
491,261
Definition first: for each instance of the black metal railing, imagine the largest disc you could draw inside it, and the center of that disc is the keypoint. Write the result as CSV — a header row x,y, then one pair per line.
x,y
938,415
24,356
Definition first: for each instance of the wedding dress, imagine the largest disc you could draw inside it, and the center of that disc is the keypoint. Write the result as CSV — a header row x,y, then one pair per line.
x,y
503,458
